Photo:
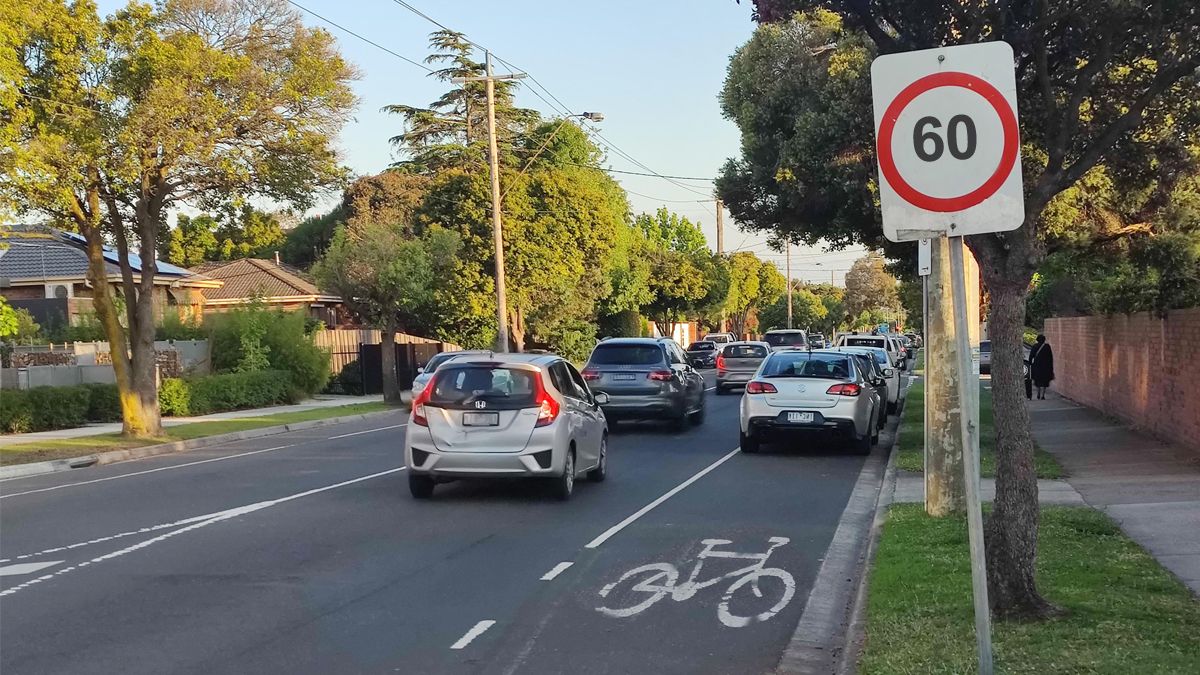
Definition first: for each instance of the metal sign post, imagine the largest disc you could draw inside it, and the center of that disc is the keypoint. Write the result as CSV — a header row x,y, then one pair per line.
x,y
948,143
970,431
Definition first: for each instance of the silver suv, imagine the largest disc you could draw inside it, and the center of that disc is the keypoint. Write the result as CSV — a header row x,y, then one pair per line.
x,y
646,378
506,415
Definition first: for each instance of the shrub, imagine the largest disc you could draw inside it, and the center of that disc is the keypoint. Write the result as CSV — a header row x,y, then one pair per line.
x,y
256,339
349,381
58,407
16,415
175,328
227,391
104,403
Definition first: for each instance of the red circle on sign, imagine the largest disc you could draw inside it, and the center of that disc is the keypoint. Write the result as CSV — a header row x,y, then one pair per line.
x,y
1008,154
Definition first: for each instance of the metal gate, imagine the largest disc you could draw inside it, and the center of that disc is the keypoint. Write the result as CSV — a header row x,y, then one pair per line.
x,y
409,357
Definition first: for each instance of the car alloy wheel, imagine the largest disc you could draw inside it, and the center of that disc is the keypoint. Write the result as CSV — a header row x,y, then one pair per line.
x,y
566,482
599,473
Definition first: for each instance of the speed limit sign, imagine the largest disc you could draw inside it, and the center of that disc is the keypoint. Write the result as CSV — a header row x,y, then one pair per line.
x,y
947,141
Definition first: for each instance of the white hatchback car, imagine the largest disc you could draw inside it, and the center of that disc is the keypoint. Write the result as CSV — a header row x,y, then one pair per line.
x,y
506,415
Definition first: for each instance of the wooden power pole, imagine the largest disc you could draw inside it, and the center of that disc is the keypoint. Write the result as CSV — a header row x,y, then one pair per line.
x,y
720,227
494,169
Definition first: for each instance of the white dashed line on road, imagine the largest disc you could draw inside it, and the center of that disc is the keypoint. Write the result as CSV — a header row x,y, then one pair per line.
x,y
608,534
369,431
475,632
558,569
27,568
142,473
710,389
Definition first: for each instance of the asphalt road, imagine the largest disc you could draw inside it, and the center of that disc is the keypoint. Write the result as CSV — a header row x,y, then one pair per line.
x,y
304,553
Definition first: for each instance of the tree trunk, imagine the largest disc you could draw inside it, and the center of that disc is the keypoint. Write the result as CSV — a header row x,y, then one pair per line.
x,y
1012,527
387,349
517,329
138,418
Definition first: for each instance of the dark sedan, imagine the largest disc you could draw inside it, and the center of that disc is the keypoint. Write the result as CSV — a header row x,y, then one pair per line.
x,y
702,354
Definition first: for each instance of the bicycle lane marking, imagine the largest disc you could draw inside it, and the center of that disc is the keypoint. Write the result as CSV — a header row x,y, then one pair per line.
x,y
612,531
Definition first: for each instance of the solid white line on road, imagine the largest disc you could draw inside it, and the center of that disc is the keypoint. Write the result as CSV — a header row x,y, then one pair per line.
x,y
142,473
475,632
119,535
369,431
27,568
710,389
558,569
216,518
649,507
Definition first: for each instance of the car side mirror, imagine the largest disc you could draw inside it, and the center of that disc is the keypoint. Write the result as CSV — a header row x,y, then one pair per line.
x,y
601,398
887,372
420,369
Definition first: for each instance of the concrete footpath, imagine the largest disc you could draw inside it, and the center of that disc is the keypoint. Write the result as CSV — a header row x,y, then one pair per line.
x,y
322,401
1151,488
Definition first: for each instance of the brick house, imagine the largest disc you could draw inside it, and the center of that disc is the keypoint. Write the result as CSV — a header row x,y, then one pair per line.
x,y
275,284
44,270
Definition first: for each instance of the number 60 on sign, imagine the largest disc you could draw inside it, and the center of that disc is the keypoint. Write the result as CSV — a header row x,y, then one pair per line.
x,y
947,140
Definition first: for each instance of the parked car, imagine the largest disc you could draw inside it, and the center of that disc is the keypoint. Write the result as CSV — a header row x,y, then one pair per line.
x,y
425,373
985,357
786,338
887,343
719,338
890,374
702,354
797,393
506,415
817,340
737,363
646,378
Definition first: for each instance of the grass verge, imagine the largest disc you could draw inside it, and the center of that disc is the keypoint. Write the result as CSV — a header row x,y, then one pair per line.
x,y
911,455
40,451
1125,613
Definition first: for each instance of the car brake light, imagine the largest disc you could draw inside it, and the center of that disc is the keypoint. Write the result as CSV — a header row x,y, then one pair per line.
x,y
548,406
418,405
661,375
589,374
849,389
720,362
753,387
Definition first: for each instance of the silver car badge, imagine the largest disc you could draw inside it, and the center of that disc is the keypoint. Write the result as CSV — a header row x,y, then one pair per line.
x,y
480,404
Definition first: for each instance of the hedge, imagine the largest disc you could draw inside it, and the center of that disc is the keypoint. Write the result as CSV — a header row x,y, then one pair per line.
x,y
230,391
46,408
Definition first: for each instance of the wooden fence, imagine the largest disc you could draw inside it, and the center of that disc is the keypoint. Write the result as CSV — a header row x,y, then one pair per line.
x,y
343,343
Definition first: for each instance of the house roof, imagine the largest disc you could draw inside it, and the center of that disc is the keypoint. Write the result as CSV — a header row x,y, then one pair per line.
x,y
33,253
251,277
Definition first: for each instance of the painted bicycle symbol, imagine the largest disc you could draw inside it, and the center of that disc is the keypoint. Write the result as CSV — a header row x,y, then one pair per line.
x,y
659,580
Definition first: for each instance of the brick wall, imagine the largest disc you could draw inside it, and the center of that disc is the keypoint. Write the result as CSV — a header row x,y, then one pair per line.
x,y
1139,368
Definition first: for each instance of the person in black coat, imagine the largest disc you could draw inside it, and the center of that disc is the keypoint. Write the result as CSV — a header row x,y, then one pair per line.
x,y
1041,366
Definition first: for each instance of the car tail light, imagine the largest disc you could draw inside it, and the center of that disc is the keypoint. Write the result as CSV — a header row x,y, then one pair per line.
x,y
849,389
754,387
418,404
548,406
590,374
661,375
720,362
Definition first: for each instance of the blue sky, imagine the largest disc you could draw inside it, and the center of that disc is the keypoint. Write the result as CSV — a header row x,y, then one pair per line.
x,y
652,67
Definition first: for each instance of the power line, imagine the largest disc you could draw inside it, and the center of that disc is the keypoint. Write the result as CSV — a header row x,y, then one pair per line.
x,y
668,201
634,173
360,37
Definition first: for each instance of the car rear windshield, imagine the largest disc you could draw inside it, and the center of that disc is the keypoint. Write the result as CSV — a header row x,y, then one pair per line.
x,y
865,341
745,352
986,346
626,355
785,339
702,346
462,386
808,364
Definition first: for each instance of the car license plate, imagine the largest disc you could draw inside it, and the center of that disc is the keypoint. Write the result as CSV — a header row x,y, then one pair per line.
x,y
800,417
484,419
624,377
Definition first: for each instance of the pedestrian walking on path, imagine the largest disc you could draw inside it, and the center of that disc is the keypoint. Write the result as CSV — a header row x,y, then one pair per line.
x,y
1041,366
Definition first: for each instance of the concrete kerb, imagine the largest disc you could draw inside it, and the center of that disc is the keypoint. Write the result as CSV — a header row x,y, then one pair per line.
x,y
112,456
819,643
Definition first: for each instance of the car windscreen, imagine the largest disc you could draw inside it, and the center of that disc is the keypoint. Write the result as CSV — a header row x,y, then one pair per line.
x,y
499,387
784,339
986,346
807,364
437,360
745,352
865,342
626,355
702,346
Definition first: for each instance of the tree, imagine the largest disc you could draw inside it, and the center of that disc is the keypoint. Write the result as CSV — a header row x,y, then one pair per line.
x,y
192,241
248,234
669,231
306,242
1104,88
685,277
808,311
869,286
193,102
388,279
753,284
